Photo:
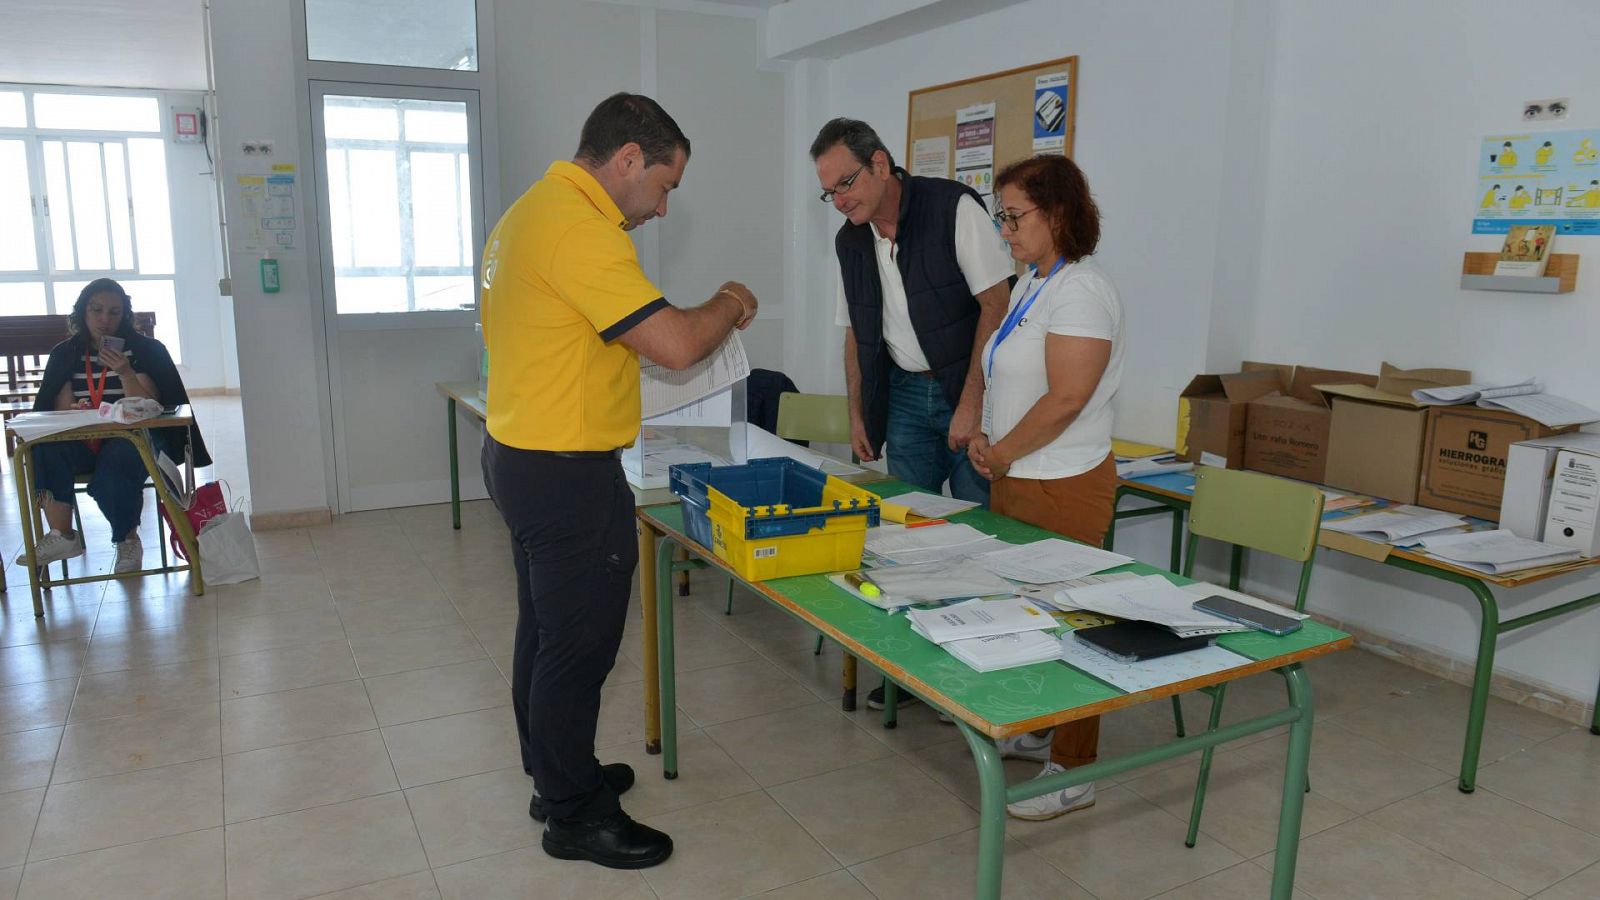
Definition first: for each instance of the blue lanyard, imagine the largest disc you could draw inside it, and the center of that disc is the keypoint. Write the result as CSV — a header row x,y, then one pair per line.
x,y
1021,309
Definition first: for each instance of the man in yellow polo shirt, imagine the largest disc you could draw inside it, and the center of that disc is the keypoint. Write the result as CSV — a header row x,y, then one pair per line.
x,y
567,312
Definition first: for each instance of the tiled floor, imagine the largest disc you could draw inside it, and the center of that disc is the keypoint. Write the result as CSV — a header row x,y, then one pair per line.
x,y
341,728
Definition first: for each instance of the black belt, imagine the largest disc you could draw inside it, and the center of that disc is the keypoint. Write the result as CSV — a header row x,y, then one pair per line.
x,y
579,454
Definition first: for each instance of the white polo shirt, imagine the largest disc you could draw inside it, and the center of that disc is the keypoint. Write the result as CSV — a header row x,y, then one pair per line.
x,y
984,262
1078,302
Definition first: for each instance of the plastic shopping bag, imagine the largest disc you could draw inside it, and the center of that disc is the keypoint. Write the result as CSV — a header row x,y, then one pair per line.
x,y
227,551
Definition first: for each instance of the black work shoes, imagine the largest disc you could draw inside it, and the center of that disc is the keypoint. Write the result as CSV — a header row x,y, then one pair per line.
x,y
616,842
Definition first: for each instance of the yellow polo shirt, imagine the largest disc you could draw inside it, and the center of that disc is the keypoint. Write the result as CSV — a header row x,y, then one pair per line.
x,y
561,282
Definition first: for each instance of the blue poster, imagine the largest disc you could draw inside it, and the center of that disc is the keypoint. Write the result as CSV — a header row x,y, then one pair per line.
x,y
1050,113
1550,177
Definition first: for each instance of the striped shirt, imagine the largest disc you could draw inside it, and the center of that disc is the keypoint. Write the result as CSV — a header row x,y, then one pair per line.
x,y
113,382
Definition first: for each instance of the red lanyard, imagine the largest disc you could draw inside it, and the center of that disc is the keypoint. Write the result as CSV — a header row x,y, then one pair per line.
x,y
95,392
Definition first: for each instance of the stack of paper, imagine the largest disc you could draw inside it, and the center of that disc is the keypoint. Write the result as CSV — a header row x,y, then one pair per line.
x,y
1525,398
978,619
1046,593
1496,552
1006,651
929,543
1151,465
1150,598
31,426
1392,526
929,582
1052,559
762,444
932,506
1333,502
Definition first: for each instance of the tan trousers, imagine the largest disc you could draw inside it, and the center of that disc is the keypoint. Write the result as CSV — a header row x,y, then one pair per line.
x,y
1079,507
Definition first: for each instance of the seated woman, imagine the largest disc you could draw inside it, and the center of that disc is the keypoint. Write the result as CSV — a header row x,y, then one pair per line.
x,y
1052,368
81,374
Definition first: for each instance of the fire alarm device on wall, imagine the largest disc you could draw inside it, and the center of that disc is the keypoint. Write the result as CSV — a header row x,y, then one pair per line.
x,y
186,126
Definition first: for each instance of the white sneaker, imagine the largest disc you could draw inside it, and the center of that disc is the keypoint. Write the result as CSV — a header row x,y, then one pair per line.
x,y
1025,746
53,547
1055,803
130,554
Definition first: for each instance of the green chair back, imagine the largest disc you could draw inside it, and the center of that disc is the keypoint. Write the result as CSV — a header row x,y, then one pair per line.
x,y
814,417
1261,512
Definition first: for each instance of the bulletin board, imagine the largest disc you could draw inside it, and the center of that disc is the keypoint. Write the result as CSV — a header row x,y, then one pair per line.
x,y
969,130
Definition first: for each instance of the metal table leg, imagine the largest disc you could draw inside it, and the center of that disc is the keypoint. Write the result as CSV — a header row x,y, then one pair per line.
x,y
648,657
991,813
455,466
667,666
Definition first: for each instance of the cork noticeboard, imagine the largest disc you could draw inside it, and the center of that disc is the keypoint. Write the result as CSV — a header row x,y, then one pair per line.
x,y
953,132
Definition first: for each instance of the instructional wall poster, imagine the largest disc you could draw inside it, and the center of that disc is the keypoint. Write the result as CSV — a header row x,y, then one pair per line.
x,y
930,157
975,148
1550,177
1050,114
267,217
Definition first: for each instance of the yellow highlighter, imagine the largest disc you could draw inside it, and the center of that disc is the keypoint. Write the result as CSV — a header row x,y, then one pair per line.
x,y
863,584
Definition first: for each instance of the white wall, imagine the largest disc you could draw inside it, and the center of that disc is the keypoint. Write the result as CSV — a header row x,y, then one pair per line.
x,y
284,389
203,325
1377,110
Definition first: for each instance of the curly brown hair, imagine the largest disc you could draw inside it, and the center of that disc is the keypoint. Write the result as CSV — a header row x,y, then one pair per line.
x,y
1057,187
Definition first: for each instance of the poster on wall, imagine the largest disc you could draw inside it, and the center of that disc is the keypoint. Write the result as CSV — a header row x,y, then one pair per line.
x,y
975,148
267,210
1050,113
930,157
1548,177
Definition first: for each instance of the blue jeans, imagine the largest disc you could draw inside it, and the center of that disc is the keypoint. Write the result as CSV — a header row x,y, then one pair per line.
x,y
117,485
918,436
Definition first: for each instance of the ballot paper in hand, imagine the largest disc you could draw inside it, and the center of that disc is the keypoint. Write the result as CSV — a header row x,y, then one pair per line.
x,y
1393,526
1496,552
1052,559
662,390
978,618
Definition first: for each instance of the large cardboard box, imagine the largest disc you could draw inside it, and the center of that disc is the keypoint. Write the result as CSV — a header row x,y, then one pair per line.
x,y
1464,463
1287,434
1529,468
1212,411
1376,440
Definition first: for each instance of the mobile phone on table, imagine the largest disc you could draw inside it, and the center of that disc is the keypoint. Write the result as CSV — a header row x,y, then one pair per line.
x,y
1246,614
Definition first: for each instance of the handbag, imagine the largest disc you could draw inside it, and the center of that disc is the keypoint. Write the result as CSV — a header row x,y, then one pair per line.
x,y
227,550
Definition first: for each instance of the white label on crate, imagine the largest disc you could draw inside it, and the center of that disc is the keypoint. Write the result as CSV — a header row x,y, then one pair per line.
x,y
766,552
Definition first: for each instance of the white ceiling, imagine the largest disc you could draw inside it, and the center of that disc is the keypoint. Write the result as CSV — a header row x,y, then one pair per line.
x,y
110,43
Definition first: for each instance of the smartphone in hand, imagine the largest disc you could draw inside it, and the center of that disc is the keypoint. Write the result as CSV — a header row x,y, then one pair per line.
x,y
112,343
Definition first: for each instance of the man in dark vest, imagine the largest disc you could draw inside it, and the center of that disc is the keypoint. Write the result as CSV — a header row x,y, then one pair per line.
x,y
924,279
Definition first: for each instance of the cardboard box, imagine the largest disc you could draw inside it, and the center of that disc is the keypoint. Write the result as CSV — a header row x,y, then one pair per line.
x,y
1287,434
1213,408
1376,440
1574,517
1464,463
1529,468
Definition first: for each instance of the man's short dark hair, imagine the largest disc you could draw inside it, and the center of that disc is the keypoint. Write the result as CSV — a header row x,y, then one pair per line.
x,y
854,134
631,119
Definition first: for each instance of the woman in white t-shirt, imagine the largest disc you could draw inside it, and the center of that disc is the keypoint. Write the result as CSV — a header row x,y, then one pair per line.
x,y
1051,369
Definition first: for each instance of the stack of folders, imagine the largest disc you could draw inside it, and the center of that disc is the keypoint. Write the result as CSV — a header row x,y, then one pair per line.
x,y
1496,552
989,634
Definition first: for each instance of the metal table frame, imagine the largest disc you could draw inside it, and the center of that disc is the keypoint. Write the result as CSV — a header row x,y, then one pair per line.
x,y
980,734
1490,625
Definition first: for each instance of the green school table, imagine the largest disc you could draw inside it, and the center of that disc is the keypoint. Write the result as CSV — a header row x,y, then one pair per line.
x,y
1005,703
1173,493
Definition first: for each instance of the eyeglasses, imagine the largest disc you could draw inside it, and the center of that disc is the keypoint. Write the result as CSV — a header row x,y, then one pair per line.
x,y
844,186
1007,221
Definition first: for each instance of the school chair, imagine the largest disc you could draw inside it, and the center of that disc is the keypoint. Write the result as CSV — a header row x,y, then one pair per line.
x,y
1261,512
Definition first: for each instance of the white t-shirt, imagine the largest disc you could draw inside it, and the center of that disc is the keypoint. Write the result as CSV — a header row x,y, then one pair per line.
x,y
984,262
1078,302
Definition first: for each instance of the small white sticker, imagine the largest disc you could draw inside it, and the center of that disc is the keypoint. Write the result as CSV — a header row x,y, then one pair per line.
x,y
766,552
1208,458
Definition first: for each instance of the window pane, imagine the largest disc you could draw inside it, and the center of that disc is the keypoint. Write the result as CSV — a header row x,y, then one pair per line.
x,y
427,34
118,206
437,126
339,207
375,196
85,172
66,294
435,222
161,298
445,292
23,298
347,118
59,206
152,211
13,112
18,251
99,113
370,294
